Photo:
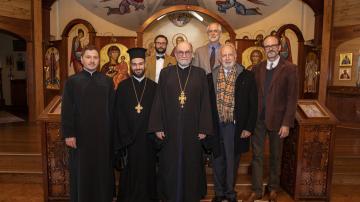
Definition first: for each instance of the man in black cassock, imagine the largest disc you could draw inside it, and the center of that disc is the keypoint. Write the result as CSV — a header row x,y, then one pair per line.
x,y
181,118
134,99
86,117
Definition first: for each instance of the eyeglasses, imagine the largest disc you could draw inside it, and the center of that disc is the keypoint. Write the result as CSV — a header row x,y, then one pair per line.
x,y
271,46
182,53
161,43
215,31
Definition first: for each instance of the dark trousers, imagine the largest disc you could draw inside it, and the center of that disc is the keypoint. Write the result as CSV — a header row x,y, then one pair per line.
x,y
257,142
225,166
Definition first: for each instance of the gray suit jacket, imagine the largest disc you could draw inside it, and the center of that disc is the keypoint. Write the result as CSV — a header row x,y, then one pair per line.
x,y
202,58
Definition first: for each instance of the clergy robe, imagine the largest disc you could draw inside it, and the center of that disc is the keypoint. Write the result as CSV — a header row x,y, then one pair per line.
x,y
181,174
86,114
138,178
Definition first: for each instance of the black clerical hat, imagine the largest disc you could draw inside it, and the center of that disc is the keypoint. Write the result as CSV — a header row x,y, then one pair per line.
x,y
136,53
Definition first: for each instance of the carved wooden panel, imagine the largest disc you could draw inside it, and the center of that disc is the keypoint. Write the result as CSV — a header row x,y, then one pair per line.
x,y
314,161
289,164
57,162
306,168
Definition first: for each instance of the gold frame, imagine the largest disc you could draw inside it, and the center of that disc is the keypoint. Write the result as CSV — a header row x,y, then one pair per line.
x,y
342,57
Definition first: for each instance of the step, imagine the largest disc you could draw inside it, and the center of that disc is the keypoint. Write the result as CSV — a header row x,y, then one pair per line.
x,y
347,165
20,178
346,179
20,162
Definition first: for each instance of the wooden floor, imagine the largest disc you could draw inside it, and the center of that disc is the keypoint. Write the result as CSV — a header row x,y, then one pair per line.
x,y
21,178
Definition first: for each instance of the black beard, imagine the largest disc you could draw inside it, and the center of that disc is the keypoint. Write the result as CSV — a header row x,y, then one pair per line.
x,y
160,52
138,75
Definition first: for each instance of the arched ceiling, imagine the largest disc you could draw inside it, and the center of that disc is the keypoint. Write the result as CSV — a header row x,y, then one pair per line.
x,y
131,14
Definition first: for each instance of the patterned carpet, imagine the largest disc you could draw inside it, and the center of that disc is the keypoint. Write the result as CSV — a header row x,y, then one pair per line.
x,y
6,117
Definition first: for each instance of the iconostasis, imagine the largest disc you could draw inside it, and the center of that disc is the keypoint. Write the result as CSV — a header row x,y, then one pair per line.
x,y
62,58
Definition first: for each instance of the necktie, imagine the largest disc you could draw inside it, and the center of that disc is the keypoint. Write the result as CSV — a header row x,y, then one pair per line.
x,y
158,57
212,58
271,66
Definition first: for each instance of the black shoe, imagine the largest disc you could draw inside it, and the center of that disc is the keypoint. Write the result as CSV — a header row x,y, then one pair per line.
x,y
218,199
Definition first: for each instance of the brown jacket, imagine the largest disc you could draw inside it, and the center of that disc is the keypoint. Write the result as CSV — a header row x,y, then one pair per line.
x,y
151,65
282,97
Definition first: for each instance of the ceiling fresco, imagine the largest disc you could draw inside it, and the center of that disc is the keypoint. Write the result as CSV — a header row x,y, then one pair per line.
x,y
131,14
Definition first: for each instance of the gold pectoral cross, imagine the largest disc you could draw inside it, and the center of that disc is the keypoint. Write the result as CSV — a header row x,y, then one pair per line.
x,y
182,99
138,108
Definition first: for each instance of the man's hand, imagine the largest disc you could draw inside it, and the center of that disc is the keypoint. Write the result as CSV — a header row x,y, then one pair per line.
x,y
160,135
71,142
201,136
245,134
284,131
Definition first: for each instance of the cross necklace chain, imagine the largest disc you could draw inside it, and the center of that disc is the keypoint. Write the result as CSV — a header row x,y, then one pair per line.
x,y
138,107
182,96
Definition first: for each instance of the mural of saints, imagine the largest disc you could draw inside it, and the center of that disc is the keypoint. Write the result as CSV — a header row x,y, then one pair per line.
x,y
240,8
78,39
124,7
113,64
285,47
52,68
311,71
252,56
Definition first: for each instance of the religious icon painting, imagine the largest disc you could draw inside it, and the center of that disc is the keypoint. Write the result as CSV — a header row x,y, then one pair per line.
x,y
259,37
311,73
176,39
252,56
345,59
52,68
285,43
345,74
312,109
114,62
150,47
77,40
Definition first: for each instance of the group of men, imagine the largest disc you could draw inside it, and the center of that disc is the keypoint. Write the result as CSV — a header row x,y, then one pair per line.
x,y
167,113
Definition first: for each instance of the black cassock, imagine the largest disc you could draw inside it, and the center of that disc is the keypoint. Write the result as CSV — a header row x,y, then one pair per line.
x,y
182,176
138,179
87,107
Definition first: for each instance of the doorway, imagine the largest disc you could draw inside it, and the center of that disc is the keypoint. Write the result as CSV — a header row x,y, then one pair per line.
x,y
13,78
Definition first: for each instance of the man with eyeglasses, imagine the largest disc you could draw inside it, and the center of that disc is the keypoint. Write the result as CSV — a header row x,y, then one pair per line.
x,y
235,107
207,56
277,83
155,63
181,119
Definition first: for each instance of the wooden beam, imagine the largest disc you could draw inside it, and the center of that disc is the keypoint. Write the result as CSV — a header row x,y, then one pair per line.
x,y
36,91
325,50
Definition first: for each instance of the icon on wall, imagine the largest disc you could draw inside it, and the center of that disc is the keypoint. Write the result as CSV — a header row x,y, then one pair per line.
x,y
52,68
345,74
77,40
345,59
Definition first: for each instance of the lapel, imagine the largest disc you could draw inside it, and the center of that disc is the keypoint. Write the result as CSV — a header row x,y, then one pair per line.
x,y
167,61
277,72
205,54
215,73
262,72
